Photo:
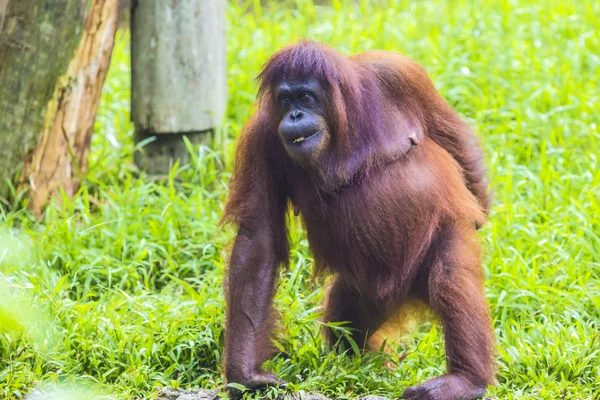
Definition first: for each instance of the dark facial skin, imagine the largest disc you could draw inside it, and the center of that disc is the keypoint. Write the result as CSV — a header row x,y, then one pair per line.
x,y
303,126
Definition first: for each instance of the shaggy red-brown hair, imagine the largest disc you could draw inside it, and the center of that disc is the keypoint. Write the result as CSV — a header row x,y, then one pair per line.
x,y
390,207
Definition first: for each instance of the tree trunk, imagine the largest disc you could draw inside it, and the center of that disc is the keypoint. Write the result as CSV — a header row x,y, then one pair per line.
x,y
54,55
178,76
60,157
3,5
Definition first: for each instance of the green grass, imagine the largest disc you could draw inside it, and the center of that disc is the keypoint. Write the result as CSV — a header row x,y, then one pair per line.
x,y
120,288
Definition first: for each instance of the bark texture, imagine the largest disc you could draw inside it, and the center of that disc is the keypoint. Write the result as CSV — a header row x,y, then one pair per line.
x,y
178,65
60,158
54,55
178,83
37,40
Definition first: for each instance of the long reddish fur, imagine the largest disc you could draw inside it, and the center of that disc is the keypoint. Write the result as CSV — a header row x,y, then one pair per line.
x,y
388,217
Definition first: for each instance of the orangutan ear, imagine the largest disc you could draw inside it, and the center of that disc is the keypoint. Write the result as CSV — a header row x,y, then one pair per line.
x,y
408,133
415,137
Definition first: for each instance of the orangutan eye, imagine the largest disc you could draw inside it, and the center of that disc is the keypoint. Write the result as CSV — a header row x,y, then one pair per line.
x,y
284,101
306,98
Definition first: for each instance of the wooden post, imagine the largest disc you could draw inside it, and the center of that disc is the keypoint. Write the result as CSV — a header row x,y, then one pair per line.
x,y
178,76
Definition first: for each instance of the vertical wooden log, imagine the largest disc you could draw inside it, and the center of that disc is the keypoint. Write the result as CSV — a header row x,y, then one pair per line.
x,y
60,157
37,40
3,6
178,76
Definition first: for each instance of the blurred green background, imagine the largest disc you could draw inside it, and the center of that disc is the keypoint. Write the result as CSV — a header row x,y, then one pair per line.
x,y
121,287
